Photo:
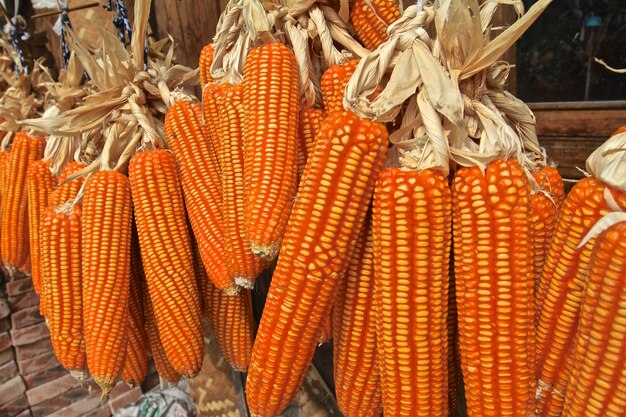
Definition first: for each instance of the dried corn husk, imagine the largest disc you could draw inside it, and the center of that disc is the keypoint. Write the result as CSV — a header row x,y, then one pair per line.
x,y
608,162
126,101
311,28
440,58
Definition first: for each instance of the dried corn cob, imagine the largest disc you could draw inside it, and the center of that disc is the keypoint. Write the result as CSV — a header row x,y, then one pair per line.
x,y
357,377
619,130
61,265
545,206
63,193
325,221
211,98
242,264
231,320
412,234
67,191
454,354
598,378
39,184
163,366
14,238
309,125
106,230
326,332
370,19
494,288
167,257
562,287
334,81
549,179
201,276
4,170
544,216
270,142
204,64
186,134
136,366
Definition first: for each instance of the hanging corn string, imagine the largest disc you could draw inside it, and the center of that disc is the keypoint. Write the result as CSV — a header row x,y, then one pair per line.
x,y
457,111
128,92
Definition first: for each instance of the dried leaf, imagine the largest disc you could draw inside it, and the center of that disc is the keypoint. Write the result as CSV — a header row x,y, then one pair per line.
x,y
497,47
608,162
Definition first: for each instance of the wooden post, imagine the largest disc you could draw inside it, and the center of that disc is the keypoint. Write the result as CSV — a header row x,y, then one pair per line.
x,y
190,22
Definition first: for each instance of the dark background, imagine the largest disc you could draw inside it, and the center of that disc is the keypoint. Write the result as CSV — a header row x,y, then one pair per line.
x,y
552,56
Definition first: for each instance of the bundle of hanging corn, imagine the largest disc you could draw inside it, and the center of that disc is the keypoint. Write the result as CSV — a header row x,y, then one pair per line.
x,y
20,150
578,373
262,104
94,291
439,72
50,186
596,370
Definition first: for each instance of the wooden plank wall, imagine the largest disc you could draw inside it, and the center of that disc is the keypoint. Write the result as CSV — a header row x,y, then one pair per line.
x,y
191,23
87,23
571,135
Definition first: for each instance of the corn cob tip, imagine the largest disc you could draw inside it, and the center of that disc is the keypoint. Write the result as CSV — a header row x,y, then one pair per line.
x,y
322,341
106,384
269,252
244,283
80,375
236,369
171,381
232,291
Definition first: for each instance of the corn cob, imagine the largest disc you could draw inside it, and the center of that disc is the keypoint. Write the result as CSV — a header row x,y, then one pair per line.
x,y
370,21
211,98
334,81
4,170
163,366
67,191
187,136
563,283
598,379
242,264
39,184
326,332
357,376
204,64
14,238
545,207
412,234
309,125
621,129
167,257
494,288
201,277
544,213
231,320
106,230
63,193
454,354
136,366
324,224
549,179
61,265
270,142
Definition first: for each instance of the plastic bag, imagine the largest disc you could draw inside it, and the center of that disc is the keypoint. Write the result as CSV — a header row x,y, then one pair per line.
x,y
171,402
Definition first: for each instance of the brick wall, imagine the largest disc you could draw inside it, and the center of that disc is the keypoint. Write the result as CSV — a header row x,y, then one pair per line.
x,y
32,382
